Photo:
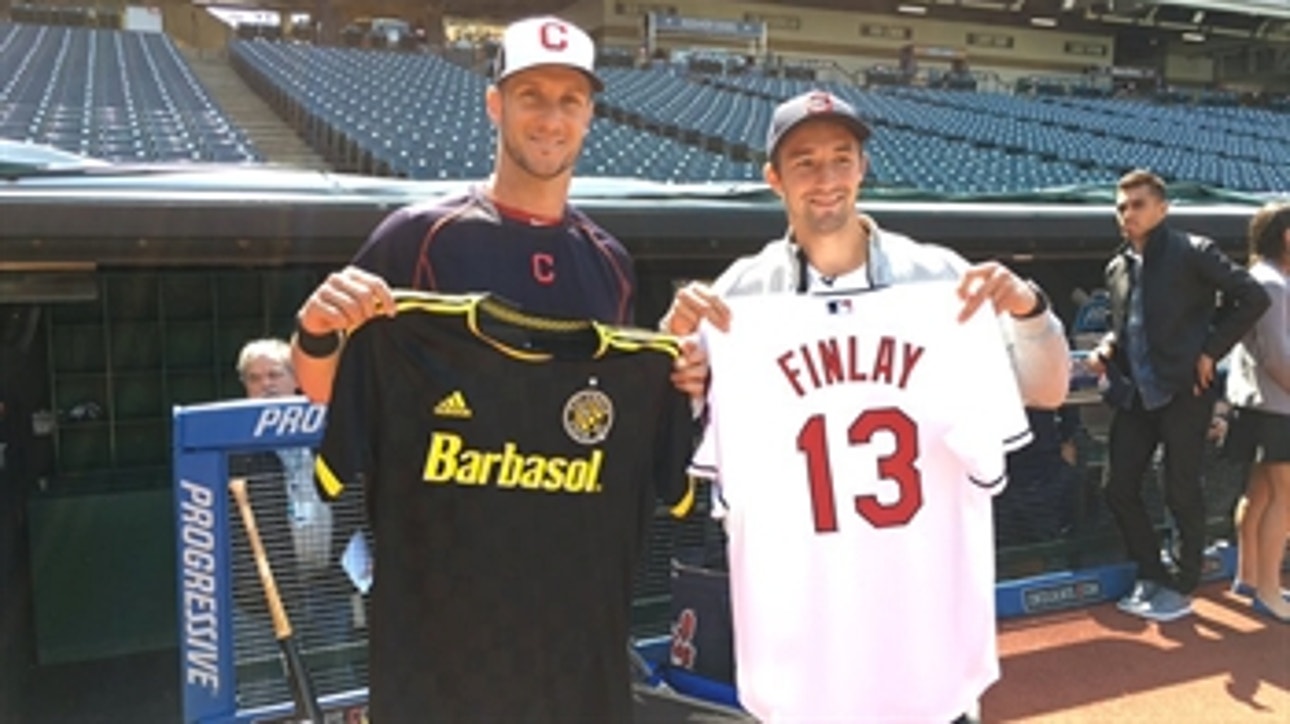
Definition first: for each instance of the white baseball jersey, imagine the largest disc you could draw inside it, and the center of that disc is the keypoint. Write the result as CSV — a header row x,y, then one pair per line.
x,y
857,441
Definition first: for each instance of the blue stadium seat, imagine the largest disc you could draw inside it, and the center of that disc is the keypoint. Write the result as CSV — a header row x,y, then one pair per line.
x,y
114,94
130,96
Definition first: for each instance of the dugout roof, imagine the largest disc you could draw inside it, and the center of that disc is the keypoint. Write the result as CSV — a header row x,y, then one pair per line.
x,y
157,215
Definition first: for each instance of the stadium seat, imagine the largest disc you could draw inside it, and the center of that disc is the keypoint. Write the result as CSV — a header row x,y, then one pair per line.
x,y
118,95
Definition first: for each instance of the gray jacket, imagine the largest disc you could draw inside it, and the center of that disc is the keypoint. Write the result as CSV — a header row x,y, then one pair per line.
x,y
1259,375
1040,356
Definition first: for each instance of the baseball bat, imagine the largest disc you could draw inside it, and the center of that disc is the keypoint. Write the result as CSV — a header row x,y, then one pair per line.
x,y
298,679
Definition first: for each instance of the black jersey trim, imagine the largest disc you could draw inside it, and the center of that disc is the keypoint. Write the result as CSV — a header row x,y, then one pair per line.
x,y
989,483
1016,441
470,306
625,339
408,300
707,472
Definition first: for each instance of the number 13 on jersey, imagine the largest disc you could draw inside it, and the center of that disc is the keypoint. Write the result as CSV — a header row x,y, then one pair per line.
x,y
899,467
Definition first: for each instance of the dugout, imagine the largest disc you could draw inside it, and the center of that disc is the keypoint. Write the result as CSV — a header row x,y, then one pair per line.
x,y
125,294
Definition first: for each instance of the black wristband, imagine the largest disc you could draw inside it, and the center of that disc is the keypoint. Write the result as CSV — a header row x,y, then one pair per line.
x,y
317,345
1041,301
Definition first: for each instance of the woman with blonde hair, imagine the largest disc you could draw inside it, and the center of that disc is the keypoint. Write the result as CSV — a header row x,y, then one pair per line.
x,y
1259,387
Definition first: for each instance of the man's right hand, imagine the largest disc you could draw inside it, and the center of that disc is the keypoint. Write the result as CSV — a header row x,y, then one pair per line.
x,y
345,300
1096,362
692,304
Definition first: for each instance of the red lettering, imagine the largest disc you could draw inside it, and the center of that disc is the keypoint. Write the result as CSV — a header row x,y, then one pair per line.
x,y
553,35
819,103
790,372
831,361
912,355
883,365
544,268
810,367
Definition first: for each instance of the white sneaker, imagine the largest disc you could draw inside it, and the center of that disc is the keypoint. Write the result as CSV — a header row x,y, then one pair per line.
x,y
1166,605
1137,599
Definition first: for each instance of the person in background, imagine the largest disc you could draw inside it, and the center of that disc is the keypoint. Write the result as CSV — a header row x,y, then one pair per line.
x,y
1159,357
297,527
1258,386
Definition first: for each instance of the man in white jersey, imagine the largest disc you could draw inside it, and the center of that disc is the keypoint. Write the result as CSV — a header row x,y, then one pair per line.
x,y
861,541
816,165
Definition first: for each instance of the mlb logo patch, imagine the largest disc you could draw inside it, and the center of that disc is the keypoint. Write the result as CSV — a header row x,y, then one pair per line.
x,y
839,306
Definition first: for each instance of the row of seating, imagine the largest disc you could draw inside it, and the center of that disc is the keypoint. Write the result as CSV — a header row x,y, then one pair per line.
x,y
130,96
113,94
1229,134
1241,122
1239,148
1220,147
423,117
937,140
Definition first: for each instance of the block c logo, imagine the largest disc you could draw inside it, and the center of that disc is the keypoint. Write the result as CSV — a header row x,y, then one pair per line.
x,y
552,36
544,268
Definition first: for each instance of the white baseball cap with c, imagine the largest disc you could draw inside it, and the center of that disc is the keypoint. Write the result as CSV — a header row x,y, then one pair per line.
x,y
545,40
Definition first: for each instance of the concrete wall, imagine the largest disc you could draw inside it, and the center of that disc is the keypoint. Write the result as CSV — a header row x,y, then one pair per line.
x,y
193,27
1188,69
586,14
834,35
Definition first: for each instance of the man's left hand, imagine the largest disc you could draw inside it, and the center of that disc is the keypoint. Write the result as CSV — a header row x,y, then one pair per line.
x,y
1204,373
690,372
995,282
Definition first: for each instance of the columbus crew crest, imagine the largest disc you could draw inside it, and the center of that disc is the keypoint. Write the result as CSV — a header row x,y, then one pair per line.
x,y
588,415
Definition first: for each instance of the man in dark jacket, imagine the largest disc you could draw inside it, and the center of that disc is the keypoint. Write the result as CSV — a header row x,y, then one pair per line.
x,y
1168,329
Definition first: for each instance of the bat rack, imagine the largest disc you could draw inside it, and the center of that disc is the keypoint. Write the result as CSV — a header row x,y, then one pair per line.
x,y
203,436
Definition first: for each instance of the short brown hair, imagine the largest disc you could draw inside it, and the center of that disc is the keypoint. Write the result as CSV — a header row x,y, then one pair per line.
x,y
1142,177
1268,231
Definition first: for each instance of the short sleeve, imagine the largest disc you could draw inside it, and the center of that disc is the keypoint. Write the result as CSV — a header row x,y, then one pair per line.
x,y
674,441
347,451
991,419
392,249
704,463
706,460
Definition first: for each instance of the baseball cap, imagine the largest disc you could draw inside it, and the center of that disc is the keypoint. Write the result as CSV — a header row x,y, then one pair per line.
x,y
545,40
810,105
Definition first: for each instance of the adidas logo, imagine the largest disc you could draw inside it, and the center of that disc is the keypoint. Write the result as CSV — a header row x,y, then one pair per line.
x,y
453,405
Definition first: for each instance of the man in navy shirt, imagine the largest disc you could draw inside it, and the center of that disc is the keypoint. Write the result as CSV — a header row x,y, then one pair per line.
x,y
515,235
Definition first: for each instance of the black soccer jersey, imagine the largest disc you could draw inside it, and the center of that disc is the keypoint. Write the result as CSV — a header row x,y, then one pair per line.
x,y
510,466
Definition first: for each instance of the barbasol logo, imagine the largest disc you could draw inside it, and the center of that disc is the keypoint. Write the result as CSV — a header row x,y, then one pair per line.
x,y
450,460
